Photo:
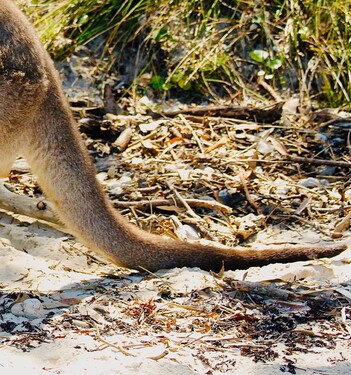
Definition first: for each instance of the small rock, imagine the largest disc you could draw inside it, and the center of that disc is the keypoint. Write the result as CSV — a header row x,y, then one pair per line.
x,y
312,182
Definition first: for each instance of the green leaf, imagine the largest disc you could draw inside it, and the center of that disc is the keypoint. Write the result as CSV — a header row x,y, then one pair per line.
x,y
184,84
82,20
157,35
274,64
259,55
177,76
157,82
167,86
304,33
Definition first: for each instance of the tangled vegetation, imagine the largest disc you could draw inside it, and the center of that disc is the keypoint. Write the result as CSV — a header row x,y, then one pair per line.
x,y
234,49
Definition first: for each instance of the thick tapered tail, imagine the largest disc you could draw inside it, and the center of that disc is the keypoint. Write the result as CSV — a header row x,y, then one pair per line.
x,y
158,253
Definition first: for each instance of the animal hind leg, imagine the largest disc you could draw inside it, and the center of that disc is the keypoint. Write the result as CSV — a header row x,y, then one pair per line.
x,y
12,137
10,141
18,103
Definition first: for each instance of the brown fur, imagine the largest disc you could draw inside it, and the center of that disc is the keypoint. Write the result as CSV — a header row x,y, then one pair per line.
x,y
36,122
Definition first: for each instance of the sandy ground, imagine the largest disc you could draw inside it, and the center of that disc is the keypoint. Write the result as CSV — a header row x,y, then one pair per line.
x,y
40,259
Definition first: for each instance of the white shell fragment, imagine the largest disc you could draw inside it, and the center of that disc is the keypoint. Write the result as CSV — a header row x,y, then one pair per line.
x,y
30,308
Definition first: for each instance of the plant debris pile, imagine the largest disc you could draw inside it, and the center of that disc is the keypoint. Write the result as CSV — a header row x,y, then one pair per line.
x,y
224,173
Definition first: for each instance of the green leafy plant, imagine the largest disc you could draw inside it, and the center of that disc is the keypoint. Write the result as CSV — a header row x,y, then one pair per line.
x,y
269,65
217,48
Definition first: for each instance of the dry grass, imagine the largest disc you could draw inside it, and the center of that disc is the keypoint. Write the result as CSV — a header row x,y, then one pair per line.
x,y
220,49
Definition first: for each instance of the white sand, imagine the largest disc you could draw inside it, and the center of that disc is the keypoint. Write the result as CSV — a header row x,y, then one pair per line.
x,y
37,258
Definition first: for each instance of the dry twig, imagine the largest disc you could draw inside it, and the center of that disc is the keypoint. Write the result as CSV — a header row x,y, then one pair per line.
x,y
210,204
334,163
